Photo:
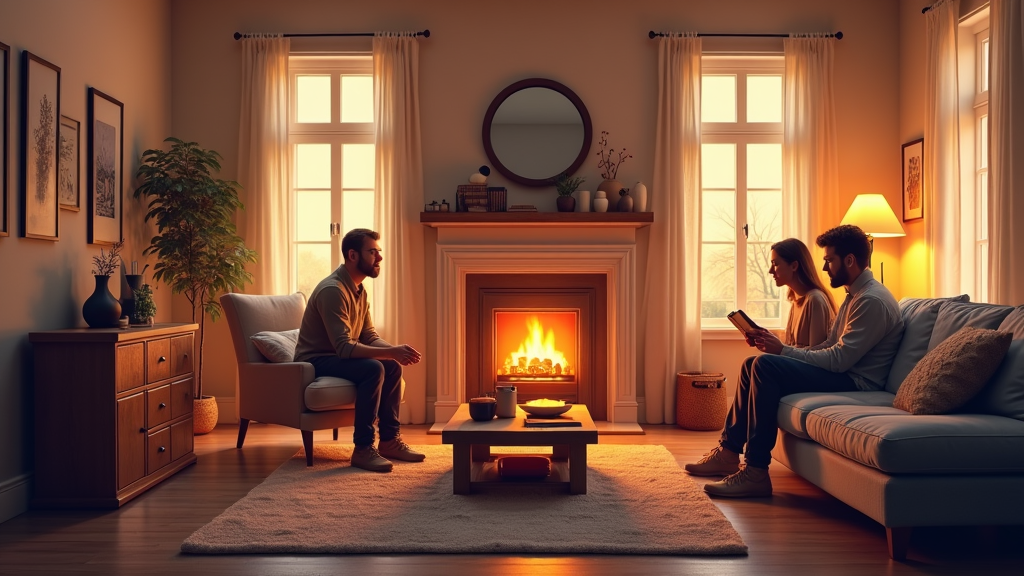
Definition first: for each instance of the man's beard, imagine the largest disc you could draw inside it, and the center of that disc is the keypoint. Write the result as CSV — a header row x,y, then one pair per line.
x,y
840,278
368,269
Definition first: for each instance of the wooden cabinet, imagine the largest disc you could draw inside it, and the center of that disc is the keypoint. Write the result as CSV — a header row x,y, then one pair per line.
x,y
113,412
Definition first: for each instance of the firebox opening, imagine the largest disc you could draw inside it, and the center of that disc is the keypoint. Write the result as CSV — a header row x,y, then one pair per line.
x,y
536,346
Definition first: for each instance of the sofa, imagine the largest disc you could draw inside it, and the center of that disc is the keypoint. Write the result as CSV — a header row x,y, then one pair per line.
x,y
904,470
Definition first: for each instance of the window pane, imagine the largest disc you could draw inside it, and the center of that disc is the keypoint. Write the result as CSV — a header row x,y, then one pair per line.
x,y
982,207
357,166
313,99
764,216
718,98
718,216
313,216
982,272
760,284
357,210
718,280
313,165
983,140
984,65
764,166
357,98
764,98
718,165
764,313
312,264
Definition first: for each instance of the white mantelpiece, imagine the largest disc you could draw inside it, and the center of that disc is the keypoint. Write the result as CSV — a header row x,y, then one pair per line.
x,y
541,243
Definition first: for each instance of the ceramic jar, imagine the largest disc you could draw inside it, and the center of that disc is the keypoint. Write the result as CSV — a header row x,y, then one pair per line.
x,y
639,194
584,202
600,201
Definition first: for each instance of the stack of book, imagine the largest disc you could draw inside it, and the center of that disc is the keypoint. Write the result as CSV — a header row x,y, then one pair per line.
x,y
471,196
497,197
522,208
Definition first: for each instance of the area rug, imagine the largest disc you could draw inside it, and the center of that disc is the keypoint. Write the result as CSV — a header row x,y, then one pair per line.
x,y
638,501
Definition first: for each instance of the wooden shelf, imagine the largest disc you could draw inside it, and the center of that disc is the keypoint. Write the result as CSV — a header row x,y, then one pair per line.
x,y
534,219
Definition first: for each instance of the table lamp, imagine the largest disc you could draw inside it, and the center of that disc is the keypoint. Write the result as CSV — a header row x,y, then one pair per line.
x,y
872,214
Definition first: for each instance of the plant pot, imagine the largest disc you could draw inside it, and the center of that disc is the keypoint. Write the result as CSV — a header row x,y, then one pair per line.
x,y
566,203
101,309
625,203
204,414
611,190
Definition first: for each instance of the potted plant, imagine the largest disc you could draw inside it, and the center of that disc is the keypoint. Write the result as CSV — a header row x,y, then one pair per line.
x,y
199,253
145,308
566,186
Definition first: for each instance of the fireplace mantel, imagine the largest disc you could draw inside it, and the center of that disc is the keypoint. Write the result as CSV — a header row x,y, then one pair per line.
x,y
537,219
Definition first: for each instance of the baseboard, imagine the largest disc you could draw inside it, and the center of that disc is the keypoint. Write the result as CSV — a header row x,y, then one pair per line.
x,y
226,410
14,496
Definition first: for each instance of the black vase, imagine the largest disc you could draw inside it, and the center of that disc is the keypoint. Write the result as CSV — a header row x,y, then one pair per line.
x,y
101,310
565,203
134,282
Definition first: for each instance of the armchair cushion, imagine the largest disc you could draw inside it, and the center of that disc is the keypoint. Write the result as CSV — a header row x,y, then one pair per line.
x,y
276,346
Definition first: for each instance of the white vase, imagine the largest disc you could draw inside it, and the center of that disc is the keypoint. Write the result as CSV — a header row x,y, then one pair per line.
x,y
600,201
639,194
584,201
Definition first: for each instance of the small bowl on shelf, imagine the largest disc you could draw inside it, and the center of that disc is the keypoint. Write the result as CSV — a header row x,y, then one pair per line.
x,y
545,408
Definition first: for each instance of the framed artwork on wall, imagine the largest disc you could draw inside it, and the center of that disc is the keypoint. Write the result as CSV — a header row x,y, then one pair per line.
x,y
106,151
913,180
70,160
40,142
5,100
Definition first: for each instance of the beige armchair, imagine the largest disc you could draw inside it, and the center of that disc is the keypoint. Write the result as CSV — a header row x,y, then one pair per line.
x,y
285,393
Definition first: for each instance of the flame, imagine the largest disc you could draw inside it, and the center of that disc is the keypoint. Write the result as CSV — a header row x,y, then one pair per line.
x,y
537,353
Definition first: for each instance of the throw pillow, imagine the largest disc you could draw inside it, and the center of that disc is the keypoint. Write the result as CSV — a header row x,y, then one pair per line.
x,y
1014,322
953,372
1004,393
276,346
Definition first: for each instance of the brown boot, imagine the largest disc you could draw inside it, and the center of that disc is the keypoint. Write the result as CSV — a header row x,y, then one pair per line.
x,y
749,482
397,449
718,462
367,458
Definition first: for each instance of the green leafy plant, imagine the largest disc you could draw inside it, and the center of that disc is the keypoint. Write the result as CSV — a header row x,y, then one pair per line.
x,y
145,308
566,185
106,263
199,253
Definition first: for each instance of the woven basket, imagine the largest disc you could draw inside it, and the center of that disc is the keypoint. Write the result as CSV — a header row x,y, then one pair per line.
x,y
701,402
204,415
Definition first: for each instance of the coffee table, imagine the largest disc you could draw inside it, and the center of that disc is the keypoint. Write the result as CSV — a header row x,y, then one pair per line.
x,y
474,467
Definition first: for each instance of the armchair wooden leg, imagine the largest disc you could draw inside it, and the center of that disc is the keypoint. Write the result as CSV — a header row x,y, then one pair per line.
x,y
307,445
335,434
243,427
899,542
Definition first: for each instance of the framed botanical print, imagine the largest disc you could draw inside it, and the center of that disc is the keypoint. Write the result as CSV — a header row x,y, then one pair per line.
x,y
5,100
106,150
913,180
68,183
40,142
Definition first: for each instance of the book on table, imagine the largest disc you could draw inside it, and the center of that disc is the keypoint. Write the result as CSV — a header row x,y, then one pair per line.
x,y
559,422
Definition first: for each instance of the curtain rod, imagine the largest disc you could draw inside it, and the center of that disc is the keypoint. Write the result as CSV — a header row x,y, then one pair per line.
x,y
239,35
652,34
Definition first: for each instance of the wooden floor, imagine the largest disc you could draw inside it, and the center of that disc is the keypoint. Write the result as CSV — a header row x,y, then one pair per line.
x,y
800,530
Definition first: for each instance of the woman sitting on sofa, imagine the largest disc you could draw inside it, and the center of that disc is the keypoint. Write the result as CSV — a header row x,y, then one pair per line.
x,y
813,308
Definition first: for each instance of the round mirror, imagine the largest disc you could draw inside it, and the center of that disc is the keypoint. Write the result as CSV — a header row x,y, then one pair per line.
x,y
536,129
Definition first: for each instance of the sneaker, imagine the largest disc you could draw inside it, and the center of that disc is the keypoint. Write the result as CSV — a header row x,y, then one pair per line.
x,y
718,462
397,449
368,458
749,482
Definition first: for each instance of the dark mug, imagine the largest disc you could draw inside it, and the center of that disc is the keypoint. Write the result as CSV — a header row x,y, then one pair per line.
x,y
482,409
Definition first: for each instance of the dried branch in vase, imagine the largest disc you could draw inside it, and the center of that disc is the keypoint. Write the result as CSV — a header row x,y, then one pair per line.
x,y
107,263
610,160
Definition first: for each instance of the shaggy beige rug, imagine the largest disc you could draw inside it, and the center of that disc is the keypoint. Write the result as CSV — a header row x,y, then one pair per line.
x,y
638,501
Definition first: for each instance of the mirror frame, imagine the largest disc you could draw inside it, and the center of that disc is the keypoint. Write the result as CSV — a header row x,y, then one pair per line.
x,y
588,130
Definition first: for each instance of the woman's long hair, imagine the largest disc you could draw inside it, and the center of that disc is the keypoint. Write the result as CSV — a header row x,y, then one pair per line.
x,y
793,250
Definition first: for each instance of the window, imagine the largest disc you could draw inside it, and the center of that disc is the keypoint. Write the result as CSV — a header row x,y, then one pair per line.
x,y
973,63
332,161
741,188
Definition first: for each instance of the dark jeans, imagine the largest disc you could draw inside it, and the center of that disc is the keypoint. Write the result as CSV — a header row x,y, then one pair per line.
x,y
378,393
753,417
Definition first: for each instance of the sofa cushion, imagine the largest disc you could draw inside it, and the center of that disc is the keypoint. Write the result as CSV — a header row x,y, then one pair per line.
x,y
794,408
1004,393
919,316
895,442
955,315
1014,323
328,393
953,372
276,346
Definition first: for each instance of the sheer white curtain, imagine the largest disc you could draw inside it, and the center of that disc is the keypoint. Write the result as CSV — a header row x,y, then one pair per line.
x,y
401,307
1006,152
942,148
672,294
263,161
810,159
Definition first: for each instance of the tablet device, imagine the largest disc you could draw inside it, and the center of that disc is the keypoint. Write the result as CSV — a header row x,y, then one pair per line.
x,y
743,322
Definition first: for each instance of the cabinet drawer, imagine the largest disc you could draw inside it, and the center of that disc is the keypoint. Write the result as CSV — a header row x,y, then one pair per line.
x,y
158,362
158,406
158,449
181,398
181,355
131,366
182,435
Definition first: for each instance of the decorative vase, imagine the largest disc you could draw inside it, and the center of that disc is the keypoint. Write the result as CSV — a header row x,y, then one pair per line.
x,y
639,194
101,310
566,203
625,203
611,189
204,414
600,202
584,200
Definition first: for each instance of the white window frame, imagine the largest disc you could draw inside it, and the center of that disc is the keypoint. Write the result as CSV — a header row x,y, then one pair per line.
x,y
741,133
973,75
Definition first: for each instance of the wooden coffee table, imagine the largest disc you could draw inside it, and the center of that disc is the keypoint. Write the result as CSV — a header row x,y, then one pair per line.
x,y
474,468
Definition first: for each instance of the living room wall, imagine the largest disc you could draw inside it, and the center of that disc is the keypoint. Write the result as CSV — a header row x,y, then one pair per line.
x,y
599,49
121,47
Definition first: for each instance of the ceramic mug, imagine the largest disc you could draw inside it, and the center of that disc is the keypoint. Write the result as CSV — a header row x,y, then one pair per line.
x,y
482,409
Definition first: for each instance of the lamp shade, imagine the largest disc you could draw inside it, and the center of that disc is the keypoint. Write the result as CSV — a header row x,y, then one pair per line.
x,y
872,214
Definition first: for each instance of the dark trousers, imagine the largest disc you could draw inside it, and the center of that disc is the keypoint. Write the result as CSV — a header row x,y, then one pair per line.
x,y
753,417
378,393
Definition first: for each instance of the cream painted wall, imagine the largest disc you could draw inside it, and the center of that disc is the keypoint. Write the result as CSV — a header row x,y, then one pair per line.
x,y
121,47
914,272
599,49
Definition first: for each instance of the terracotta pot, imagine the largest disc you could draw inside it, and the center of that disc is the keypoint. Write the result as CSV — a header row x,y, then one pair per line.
x,y
566,203
611,189
204,414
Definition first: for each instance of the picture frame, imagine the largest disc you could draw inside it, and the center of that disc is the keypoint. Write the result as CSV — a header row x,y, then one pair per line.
x,y
69,180
105,167
913,180
5,100
40,142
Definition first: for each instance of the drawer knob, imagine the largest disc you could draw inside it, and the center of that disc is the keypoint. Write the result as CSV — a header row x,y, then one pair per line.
x,y
162,359
142,430
161,449
162,405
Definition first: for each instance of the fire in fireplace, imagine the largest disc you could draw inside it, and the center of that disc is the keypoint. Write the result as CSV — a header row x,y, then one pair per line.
x,y
536,346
